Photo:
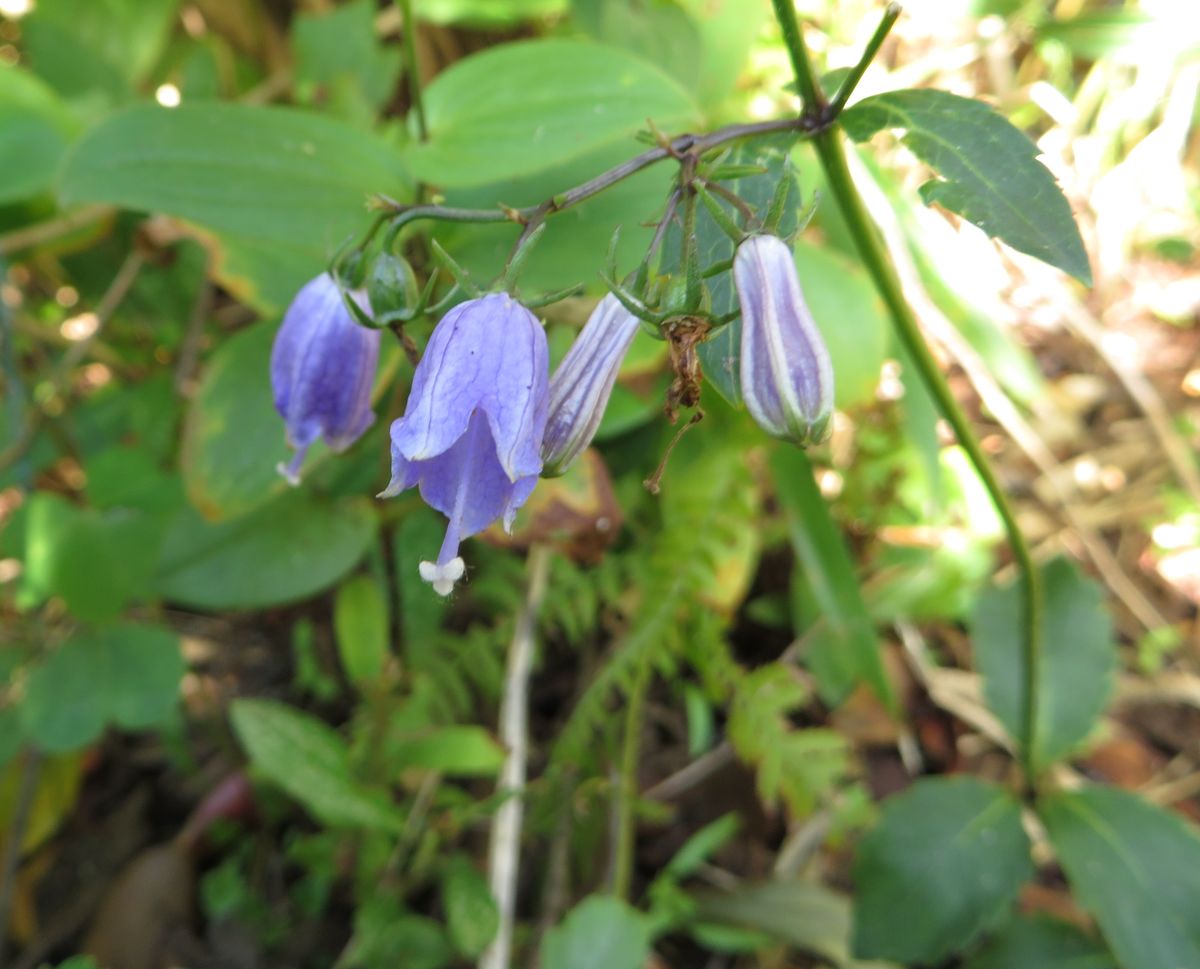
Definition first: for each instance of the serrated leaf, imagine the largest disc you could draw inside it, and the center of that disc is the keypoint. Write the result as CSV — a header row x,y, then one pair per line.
x,y
525,107
1136,868
1078,657
601,932
308,759
989,168
944,863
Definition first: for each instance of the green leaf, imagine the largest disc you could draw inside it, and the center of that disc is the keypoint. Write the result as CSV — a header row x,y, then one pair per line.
x,y
1079,656
801,913
283,551
267,176
601,932
461,750
1042,942
486,13
128,675
798,766
944,863
990,172
360,620
35,128
339,50
703,44
386,935
1136,868
97,561
10,735
576,241
471,914
234,438
525,107
98,51
844,649
307,758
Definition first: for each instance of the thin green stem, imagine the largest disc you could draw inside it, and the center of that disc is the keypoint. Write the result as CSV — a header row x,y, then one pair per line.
x,y
628,793
831,151
874,255
412,68
869,52
529,216
806,80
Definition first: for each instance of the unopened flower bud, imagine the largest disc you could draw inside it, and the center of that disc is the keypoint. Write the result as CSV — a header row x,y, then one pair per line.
x,y
786,374
322,370
583,382
392,288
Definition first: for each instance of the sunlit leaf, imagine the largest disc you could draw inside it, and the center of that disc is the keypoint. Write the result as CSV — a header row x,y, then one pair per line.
x,y
525,107
989,171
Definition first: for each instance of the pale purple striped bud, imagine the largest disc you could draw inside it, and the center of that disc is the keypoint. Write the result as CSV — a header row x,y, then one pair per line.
x,y
583,382
787,377
473,425
322,370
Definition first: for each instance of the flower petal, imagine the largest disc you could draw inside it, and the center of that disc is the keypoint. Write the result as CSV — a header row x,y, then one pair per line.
x,y
467,483
488,354
583,382
786,373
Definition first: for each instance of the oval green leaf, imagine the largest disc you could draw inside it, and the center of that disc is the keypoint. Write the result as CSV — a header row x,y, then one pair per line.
x,y
521,108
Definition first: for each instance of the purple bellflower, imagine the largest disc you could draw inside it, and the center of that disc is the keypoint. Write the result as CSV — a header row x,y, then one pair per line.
x,y
472,430
583,382
787,377
322,369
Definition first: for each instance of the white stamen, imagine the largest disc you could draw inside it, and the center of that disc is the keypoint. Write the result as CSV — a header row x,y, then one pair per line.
x,y
290,474
443,577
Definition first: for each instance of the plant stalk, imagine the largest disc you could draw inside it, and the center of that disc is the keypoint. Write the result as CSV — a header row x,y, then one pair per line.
x,y
412,69
831,151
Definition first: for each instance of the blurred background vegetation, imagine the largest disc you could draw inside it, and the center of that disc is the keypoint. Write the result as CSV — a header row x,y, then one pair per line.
x,y
237,730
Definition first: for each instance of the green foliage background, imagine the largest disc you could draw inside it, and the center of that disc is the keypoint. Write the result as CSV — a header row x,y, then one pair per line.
x,y
729,626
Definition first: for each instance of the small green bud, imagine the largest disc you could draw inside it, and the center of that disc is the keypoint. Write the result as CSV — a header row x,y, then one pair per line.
x,y
392,288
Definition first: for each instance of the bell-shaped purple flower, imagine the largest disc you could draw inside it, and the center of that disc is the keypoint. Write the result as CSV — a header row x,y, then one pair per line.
x,y
583,382
322,370
787,377
472,430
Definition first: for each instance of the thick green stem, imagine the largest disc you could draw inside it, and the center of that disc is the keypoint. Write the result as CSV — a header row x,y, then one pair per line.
x,y
832,153
806,81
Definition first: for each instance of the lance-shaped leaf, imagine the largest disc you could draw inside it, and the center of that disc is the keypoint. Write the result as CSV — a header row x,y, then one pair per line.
x,y
989,171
